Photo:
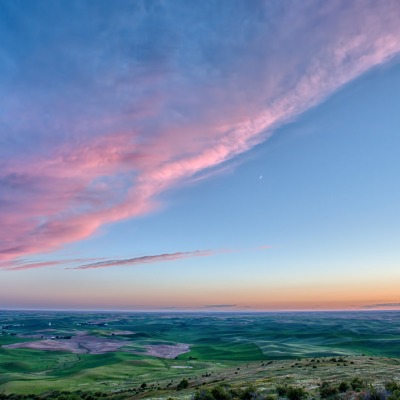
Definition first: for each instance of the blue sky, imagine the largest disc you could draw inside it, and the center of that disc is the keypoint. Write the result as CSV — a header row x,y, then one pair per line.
x,y
177,154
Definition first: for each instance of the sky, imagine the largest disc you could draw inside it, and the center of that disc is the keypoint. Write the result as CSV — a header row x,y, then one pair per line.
x,y
215,155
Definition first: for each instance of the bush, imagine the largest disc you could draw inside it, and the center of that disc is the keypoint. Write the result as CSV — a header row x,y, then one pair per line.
x,y
203,394
343,387
220,393
296,393
357,384
395,395
183,384
392,386
326,390
281,390
250,393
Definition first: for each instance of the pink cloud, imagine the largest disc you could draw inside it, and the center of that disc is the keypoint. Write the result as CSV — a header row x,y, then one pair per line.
x,y
114,166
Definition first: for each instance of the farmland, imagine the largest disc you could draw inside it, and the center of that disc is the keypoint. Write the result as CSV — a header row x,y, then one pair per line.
x,y
108,352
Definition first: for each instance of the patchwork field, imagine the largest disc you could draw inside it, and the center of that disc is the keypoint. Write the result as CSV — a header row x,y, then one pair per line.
x,y
113,352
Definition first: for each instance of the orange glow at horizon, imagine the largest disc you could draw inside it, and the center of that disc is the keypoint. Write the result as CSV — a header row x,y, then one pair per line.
x,y
174,295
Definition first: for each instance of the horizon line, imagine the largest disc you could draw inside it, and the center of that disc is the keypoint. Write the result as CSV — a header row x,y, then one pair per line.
x,y
200,311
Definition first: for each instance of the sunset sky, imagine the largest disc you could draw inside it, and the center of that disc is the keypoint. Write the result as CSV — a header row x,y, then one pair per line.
x,y
200,155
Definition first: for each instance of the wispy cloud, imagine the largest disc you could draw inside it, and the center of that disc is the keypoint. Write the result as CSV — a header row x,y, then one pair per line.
x,y
220,305
95,130
382,305
146,259
94,263
19,265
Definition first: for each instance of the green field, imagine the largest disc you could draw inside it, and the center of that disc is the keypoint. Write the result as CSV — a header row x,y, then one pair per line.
x,y
217,345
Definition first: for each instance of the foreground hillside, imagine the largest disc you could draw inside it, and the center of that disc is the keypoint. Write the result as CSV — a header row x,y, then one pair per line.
x,y
362,377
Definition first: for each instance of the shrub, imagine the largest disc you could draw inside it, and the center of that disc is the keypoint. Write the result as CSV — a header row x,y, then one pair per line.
x,y
203,394
250,393
395,395
357,384
326,390
392,386
281,390
220,393
343,387
296,393
183,384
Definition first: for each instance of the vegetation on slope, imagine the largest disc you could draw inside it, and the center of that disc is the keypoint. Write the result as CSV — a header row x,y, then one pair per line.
x,y
334,389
